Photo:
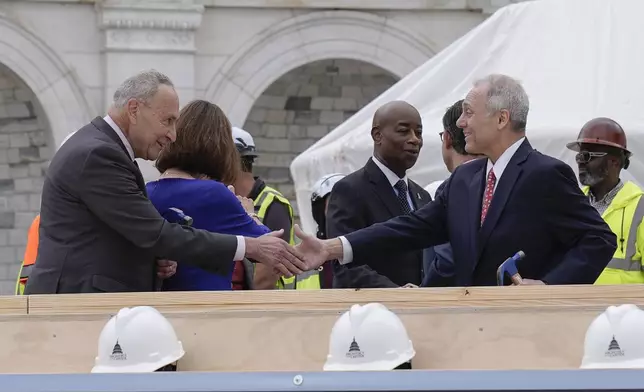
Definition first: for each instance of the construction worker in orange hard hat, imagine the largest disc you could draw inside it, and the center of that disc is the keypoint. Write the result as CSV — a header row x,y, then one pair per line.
x,y
602,153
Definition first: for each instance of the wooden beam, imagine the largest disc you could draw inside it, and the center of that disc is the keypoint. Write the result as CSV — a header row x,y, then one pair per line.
x,y
183,302
455,328
13,305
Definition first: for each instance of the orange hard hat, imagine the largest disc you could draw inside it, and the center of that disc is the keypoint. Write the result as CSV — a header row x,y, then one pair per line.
x,y
603,131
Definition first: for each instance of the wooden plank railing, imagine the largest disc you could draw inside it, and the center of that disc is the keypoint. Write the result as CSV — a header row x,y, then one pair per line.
x,y
527,327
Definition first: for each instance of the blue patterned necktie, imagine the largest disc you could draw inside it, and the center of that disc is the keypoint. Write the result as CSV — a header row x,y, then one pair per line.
x,y
401,187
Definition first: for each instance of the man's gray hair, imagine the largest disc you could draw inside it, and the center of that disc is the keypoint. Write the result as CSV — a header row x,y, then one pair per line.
x,y
507,93
142,86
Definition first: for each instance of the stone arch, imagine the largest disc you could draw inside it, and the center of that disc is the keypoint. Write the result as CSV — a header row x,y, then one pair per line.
x,y
51,81
307,38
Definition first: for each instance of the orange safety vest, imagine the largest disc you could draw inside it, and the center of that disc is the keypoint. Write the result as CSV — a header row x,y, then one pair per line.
x,y
30,256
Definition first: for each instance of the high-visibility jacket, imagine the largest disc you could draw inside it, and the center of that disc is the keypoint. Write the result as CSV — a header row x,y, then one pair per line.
x,y
30,256
309,280
624,216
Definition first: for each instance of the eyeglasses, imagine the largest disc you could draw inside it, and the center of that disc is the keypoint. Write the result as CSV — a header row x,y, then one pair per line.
x,y
440,134
587,156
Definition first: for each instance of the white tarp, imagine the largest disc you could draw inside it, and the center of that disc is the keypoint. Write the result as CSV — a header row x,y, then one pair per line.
x,y
577,59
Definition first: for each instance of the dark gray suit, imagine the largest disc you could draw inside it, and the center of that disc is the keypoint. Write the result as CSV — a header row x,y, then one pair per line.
x,y
98,230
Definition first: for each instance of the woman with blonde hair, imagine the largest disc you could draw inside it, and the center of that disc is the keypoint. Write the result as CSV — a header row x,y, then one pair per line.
x,y
195,171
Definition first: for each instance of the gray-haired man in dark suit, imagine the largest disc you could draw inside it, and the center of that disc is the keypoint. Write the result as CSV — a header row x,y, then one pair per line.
x,y
98,230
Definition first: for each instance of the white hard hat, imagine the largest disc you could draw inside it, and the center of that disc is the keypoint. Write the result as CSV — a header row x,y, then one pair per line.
x,y
433,187
368,337
614,339
324,185
244,142
137,340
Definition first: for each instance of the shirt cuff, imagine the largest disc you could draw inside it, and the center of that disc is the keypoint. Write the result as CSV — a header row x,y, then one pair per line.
x,y
241,249
347,251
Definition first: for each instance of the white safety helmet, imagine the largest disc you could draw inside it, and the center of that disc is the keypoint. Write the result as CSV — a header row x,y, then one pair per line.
x,y
137,340
433,187
324,186
368,337
244,142
614,339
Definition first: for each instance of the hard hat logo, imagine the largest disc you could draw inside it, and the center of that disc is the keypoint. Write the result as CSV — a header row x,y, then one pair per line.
x,y
614,350
142,341
117,353
613,339
368,337
354,350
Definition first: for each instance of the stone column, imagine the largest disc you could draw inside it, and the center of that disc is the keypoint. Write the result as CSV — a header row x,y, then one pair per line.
x,y
157,34
144,34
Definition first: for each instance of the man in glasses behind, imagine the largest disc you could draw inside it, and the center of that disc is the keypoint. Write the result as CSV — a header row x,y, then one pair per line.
x,y
601,156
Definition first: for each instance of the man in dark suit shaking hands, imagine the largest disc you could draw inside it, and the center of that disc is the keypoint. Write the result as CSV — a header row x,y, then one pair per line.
x,y
516,199
98,230
380,191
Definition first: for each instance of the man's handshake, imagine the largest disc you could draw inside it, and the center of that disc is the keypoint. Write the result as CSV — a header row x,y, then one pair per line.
x,y
288,260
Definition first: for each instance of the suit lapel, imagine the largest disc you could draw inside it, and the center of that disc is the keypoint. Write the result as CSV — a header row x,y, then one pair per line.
x,y
502,193
418,195
476,186
383,188
104,127
139,179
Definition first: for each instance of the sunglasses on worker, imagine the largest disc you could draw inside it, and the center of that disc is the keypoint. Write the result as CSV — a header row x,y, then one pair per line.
x,y
587,156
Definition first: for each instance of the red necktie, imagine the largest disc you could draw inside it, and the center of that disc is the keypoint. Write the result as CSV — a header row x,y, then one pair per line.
x,y
489,192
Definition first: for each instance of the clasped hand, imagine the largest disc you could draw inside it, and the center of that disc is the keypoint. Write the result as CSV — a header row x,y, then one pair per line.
x,y
285,259
271,250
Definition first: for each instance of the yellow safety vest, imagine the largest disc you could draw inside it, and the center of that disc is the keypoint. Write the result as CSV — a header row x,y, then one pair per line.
x,y
309,280
624,216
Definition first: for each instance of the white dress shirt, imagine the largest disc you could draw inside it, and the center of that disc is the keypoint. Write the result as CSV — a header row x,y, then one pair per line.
x,y
499,167
502,162
347,251
393,179
241,242
121,136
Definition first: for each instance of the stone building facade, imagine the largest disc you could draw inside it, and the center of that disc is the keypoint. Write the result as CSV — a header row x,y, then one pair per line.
x,y
286,71
25,149
303,106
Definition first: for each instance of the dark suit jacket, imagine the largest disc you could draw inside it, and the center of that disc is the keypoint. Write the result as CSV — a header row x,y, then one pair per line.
x,y
98,230
438,261
359,200
537,207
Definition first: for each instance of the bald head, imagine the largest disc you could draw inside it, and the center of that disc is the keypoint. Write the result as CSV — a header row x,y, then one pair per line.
x,y
391,111
397,134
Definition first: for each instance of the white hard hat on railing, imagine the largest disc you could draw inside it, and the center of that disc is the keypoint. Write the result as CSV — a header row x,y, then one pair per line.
x,y
368,337
137,340
614,339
